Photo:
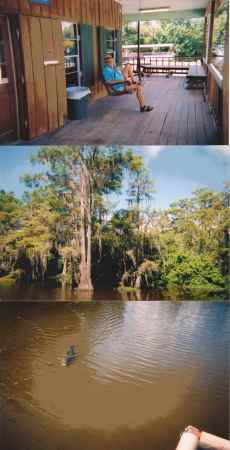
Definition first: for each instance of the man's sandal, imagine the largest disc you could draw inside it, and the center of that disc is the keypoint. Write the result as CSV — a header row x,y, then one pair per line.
x,y
146,108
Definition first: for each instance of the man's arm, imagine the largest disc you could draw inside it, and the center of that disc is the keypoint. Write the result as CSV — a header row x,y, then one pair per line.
x,y
193,438
116,82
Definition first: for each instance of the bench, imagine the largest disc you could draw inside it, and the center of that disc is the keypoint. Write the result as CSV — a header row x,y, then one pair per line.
x,y
196,77
151,69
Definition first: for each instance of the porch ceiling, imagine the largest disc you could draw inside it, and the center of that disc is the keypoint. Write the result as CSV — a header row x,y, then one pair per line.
x,y
178,8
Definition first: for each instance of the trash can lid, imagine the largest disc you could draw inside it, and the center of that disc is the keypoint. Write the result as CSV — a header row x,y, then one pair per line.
x,y
77,92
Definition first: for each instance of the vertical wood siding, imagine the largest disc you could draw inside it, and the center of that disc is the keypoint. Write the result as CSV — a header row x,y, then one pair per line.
x,y
105,13
219,99
42,40
60,72
226,90
45,85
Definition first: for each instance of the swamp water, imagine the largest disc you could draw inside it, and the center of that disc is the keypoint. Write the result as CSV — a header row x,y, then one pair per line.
x,y
51,292
143,372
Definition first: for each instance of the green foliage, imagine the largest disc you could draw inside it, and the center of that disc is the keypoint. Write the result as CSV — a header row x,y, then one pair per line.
x,y
183,247
193,271
141,188
63,202
129,35
10,211
186,35
220,23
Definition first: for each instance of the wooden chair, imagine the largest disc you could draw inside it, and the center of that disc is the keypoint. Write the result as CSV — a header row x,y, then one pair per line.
x,y
114,92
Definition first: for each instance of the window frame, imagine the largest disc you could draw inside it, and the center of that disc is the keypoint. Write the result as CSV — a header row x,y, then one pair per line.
x,y
114,41
77,69
5,63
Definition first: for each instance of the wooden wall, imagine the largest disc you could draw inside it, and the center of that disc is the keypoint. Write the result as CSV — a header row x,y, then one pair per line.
x,y
215,100
42,40
105,13
226,89
219,98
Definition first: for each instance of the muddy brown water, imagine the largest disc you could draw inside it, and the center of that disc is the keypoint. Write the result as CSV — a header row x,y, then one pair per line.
x,y
144,371
51,292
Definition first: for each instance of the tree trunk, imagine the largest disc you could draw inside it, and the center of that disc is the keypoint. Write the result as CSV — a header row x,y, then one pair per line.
x,y
85,231
64,272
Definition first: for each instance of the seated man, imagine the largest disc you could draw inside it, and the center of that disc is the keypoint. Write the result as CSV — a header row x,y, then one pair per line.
x,y
113,74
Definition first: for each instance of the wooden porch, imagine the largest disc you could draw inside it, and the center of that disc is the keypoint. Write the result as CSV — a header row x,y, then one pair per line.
x,y
180,117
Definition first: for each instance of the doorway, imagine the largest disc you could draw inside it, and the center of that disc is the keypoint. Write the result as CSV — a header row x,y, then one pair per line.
x,y
8,103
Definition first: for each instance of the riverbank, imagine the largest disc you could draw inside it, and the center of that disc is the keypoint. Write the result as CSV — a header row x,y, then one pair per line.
x,y
43,292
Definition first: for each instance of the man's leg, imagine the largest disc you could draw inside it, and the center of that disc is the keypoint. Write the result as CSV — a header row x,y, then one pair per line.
x,y
138,90
128,72
140,95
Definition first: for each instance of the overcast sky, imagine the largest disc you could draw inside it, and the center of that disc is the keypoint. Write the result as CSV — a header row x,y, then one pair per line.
x,y
176,171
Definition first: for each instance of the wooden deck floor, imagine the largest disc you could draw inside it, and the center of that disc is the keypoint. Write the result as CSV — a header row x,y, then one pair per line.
x,y
180,117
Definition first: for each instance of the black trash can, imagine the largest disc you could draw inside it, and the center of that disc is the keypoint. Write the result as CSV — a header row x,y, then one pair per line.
x,y
77,101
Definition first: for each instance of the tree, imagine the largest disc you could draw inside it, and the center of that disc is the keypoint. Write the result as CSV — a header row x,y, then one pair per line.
x,y
79,176
141,187
68,228
186,35
10,211
26,247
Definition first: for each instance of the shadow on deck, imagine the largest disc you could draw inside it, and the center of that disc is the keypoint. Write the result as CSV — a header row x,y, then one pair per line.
x,y
180,117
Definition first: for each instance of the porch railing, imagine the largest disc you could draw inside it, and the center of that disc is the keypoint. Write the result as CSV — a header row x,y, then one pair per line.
x,y
161,64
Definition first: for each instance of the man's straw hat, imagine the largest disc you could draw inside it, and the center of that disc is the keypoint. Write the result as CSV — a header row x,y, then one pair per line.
x,y
107,57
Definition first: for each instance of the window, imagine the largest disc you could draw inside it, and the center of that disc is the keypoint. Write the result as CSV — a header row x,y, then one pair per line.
x,y
72,54
219,32
111,43
3,66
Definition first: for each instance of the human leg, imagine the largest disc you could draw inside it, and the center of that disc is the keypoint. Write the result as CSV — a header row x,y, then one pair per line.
x,y
138,90
128,72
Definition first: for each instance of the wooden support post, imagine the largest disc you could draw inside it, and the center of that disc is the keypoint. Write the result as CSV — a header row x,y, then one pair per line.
x,y
138,47
205,39
210,31
226,87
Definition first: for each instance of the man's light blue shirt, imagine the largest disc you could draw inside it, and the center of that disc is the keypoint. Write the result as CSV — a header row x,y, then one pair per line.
x,y
113,74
